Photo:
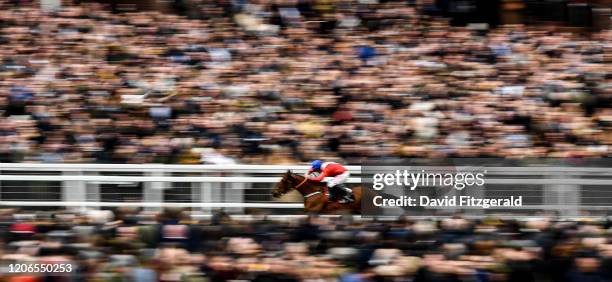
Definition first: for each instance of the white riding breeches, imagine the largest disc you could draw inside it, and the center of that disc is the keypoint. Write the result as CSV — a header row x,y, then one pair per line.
x,y
338,179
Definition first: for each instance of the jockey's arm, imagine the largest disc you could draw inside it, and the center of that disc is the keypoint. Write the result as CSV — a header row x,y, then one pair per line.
x,y
320,177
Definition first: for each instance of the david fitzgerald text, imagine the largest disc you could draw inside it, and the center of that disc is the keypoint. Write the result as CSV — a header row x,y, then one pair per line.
x,y
453,201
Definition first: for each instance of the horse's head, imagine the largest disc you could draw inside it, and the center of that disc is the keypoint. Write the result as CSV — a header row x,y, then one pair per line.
x,y
284,185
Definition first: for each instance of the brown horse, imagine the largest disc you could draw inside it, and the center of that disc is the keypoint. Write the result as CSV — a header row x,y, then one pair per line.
x,y
316,196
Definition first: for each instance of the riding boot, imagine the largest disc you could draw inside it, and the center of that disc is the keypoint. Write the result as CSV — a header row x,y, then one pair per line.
x,y
334,194
348,192
345,192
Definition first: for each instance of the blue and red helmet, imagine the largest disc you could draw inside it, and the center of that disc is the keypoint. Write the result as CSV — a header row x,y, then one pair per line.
x,y
316,164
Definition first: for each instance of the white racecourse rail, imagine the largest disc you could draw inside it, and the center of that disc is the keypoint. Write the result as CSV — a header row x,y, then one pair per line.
x,y
217,186
230,186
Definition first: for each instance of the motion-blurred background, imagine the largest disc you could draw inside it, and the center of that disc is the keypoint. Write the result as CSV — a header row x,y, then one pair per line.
x,y
96,95
266,82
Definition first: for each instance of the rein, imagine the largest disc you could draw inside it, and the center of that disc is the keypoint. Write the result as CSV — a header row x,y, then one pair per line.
x,y
301,183
309,195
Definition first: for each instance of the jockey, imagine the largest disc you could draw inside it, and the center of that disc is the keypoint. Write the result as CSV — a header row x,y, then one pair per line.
x,y
336,185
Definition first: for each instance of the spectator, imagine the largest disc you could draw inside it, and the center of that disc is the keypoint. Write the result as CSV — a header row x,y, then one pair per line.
x,y
291,81
286,250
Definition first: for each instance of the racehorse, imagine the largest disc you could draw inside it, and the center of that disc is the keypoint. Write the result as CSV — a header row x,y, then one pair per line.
x,y
316,195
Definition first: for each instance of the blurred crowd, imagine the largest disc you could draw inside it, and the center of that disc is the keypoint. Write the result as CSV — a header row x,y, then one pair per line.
x,y
287,81
129,245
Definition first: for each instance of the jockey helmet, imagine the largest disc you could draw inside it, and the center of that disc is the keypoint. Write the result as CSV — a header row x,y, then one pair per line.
x,y
316,164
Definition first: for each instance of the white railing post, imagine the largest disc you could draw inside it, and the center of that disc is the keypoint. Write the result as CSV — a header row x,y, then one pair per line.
x,y
153,192
570,197
74,190
93,189
207,193
234,193
564,197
